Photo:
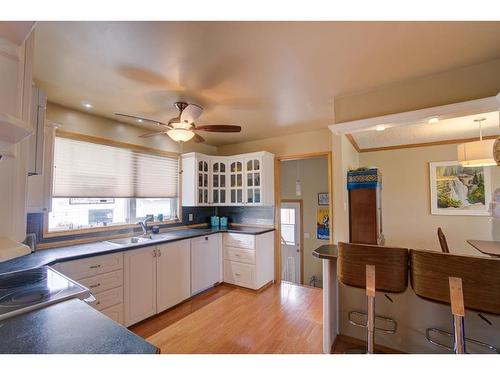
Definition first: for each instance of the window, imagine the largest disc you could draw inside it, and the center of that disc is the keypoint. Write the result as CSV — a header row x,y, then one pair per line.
x,y
134,184
288,226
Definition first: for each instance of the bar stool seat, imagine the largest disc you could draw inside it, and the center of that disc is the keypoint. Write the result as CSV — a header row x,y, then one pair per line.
x,y
434,276
373,268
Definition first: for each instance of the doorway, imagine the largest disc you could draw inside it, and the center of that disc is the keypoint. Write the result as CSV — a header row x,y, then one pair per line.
x,y
292,254
303,212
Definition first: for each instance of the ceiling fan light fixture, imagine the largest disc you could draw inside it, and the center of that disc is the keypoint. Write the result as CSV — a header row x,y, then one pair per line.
x,y
180,134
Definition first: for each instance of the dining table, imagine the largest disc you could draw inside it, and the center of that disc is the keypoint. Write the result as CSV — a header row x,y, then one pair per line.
x,y
491,248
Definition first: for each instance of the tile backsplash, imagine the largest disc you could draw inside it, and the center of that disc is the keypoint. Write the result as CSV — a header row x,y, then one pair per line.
x,y
201,215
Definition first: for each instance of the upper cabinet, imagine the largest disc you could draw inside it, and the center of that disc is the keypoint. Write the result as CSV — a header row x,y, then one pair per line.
x,y
16,59
238,180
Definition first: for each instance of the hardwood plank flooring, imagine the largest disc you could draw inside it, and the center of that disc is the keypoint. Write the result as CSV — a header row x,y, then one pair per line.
x,y
283,318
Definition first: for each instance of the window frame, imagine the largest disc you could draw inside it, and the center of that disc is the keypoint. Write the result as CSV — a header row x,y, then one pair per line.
x,y
103,141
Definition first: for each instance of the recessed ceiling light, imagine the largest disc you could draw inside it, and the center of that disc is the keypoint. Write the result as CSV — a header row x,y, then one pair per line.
x,y
380,128
433,120
87,105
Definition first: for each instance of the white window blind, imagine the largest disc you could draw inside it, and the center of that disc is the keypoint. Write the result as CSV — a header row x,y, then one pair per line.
x,y
86,170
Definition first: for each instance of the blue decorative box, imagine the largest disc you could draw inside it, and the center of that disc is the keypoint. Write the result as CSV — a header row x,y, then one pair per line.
x,y
223,222
214,221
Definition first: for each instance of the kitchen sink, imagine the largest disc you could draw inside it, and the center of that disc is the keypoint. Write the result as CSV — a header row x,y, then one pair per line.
x,y
130,240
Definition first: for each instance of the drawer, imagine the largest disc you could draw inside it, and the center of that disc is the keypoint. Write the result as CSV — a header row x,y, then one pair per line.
x,y
108,298
244,241
239,255
239,274
105,281
115,313
82,268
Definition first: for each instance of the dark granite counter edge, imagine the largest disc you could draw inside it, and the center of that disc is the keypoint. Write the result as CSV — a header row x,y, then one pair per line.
x,y
49,257
35,332
328,252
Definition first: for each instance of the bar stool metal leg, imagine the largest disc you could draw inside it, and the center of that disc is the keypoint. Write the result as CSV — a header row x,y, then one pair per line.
x,y
458,311
370,295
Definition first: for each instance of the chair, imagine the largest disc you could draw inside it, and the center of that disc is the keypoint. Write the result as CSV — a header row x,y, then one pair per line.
x,y
442,241
373,268
465,282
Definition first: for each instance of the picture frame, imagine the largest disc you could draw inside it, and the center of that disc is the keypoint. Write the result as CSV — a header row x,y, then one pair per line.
x,y
323,199
458,190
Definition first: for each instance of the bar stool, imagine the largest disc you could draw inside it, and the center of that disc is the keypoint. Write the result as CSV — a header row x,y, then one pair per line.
x,y
464,282
373,268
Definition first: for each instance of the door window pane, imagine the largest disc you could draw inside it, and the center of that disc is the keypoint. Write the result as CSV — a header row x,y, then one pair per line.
x,y
205,196
233,167
222,181
233,180
239,180
200,195
288,233
222,167
216,196
200,179
200,166
249,165
249,179
216,180
239,195
256,179
205,180
288,216
205,166
233,196
256,164
238,166
222,196
216,167
250,195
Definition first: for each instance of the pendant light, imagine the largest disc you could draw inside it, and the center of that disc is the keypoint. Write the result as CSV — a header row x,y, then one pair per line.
x,y
298,184
478,153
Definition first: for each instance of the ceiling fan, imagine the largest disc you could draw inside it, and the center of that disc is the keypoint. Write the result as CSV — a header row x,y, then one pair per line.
x,y
182,127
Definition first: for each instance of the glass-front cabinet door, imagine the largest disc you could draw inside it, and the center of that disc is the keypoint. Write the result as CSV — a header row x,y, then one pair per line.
x,y
253,174
236,182
203,181
219,183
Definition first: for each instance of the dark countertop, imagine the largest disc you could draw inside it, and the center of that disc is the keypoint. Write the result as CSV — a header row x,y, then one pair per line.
x,y
55,255
58,329
326,252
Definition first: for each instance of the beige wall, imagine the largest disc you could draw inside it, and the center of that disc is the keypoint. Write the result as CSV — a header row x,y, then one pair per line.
x,y
89,124
300,143
313,174
345,158
407,220
471,82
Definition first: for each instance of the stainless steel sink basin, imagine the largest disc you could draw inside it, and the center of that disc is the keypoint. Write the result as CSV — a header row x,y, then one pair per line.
x,y
130,240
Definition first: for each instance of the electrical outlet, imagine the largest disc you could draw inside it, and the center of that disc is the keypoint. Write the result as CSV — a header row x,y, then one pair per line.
x,y
190,217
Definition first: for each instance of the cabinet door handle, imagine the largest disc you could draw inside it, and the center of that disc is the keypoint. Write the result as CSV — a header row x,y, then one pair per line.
x,y
154,253
95,285
159,252
237,274
95,266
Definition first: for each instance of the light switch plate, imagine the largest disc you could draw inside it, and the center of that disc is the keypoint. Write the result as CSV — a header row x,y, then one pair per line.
x,y
190,217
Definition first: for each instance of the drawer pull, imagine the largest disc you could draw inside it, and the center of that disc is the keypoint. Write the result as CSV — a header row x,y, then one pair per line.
x,y
96,266
95,285
237,274
98,303
238,255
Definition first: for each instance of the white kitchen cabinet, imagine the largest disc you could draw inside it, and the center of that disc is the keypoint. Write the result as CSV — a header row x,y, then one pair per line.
x,y
238,180
248,259
219,181
140,284
40,186
173,273
205,262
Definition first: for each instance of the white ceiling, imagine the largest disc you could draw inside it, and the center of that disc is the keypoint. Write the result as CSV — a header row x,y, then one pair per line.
x,y
445,130
271,78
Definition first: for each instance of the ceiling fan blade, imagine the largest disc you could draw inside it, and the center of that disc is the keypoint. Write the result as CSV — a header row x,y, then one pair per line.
x,y
198,138
152,134
219,128
141,118
191,113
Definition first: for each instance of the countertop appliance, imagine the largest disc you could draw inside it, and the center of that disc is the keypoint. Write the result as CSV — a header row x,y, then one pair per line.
x,y
29,290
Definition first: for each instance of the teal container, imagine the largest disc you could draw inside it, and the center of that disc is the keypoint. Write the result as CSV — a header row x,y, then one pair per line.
x,y
214,221
223,222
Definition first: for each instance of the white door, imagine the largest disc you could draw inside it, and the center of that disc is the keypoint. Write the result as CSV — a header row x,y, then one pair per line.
x,y
290,241
173,274
140,284
205,263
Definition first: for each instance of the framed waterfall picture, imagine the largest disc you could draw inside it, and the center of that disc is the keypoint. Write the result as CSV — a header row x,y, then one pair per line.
x,y
458,190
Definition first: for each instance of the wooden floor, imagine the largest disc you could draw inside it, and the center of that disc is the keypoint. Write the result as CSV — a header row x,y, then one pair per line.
x,y
350,345
283,318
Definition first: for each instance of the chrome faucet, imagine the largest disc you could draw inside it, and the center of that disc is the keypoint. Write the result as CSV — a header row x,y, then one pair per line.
x,y
144,224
